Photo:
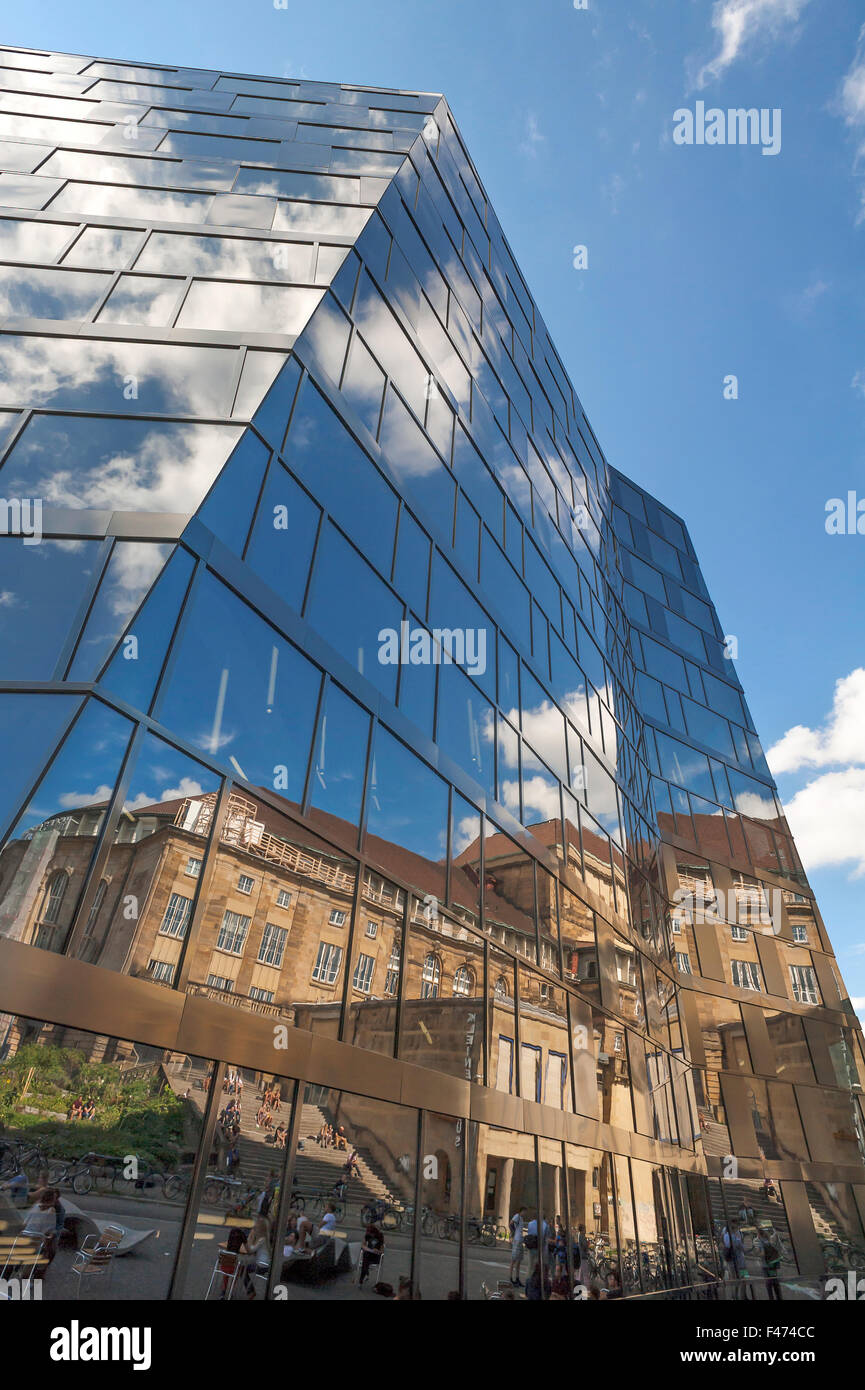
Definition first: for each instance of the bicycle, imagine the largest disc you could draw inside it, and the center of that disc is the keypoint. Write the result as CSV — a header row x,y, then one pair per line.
x,y
323,1200
72,1172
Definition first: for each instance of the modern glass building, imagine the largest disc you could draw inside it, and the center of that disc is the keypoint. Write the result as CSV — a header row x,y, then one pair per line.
x,y
371,750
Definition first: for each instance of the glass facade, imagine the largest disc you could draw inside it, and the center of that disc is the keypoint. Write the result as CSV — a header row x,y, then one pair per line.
x,y
387,844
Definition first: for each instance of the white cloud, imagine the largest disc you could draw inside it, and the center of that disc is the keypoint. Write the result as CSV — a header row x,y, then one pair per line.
x,y
739,24
827,814
532,136
841,740
853,86
826,817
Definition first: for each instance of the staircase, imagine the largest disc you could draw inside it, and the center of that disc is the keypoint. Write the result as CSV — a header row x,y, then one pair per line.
x,y
314,1170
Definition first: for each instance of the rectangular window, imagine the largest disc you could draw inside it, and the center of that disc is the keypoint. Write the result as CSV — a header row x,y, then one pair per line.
x,y
261,996
362,979
530,1071
232,933
391,979
245,884
283,898
683,962
505,1065
270,952
372,928
327,963
161,970
176,917
804,983
800,933
220,982
337,918
193,867
746,974
739,933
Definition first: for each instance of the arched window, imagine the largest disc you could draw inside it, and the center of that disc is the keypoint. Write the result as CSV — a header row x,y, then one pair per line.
x,y
96,904
431,977
54,895
501,988
464,980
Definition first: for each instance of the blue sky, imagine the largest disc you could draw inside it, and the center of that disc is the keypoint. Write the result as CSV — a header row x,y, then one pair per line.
x,y
703,262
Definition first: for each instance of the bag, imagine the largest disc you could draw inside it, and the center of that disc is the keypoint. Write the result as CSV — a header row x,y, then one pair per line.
x,y
729,1252
386,1290
512,1226
531,1242
771,1254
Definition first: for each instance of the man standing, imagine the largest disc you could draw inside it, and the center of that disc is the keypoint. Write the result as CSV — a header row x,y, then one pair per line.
x,y
517,1228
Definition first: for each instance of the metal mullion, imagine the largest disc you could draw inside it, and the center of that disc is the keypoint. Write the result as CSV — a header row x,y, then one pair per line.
x,y
202,888
238,373
100,840
401,974
272,463
416,1224
44,768
172,649
85,608
100,305
349,949
176,1287
320,703
566,1215
183,294
105,842
465,1124
274,1274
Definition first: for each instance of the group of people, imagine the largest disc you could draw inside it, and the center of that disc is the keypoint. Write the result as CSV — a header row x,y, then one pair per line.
x,y
769,1246
550,1276
82,1109
264,1120
329,1137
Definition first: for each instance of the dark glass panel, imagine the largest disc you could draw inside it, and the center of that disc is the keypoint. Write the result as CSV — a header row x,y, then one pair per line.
x,y
42,586
46,859
240,692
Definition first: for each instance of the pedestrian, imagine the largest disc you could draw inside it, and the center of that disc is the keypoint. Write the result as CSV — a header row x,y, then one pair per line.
x,y
518,1234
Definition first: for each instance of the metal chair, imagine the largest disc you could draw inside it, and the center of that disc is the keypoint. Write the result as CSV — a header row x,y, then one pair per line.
x,y
32,1255
226,1268
95,1259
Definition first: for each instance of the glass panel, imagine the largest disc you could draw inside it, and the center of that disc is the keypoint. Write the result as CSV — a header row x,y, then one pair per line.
x,y
408,811
501,1205
509,893
45,578
241,692
139,922
131,573
351,1224
122,378
100,1135
104,248
126,465
232,1236
441,1203
50,294
376,962
142,299
48,854
442,1015
222,306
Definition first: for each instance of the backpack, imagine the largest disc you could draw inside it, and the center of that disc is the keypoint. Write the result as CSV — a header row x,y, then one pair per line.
x,y
386,1290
